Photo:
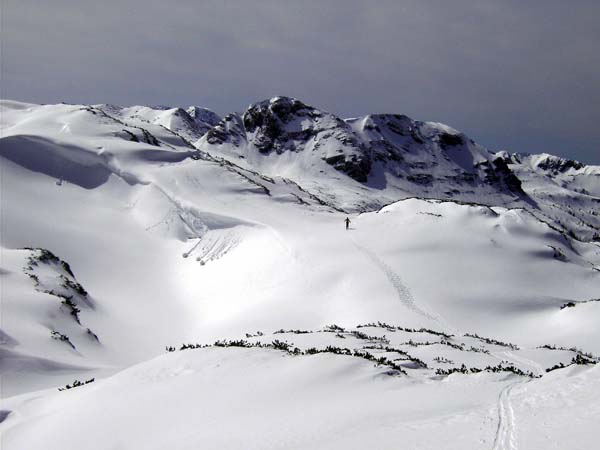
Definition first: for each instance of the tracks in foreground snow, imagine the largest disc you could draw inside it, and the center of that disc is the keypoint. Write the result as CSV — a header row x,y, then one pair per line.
x,y
506,436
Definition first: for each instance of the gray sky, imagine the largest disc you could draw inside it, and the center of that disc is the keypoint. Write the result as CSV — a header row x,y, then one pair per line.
x,y
517,75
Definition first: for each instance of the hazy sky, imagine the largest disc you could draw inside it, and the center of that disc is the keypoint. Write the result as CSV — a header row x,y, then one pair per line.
x,y
517,75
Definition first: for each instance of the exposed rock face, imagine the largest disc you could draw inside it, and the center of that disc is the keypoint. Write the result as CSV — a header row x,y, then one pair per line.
x,y
558,165
354,167
268,123
498,172
427,154
552,164
229,130
447,140
285,124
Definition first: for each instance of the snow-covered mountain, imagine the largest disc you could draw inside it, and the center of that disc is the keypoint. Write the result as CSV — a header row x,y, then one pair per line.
x,y
384,156
363,163
190,124
461,307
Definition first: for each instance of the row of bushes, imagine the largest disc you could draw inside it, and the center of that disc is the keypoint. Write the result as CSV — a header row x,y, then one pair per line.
x,y
498,368
295,351
577,351
492,341
408,330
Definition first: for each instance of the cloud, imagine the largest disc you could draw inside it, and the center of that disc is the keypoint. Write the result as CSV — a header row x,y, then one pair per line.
x,y
514,75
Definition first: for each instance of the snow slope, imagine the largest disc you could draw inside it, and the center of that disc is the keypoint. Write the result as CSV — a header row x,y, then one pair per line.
x,y
175,241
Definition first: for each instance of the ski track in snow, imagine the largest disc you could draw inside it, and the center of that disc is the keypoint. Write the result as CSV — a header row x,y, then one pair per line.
x,y
506,436
213,245
506,433
404,294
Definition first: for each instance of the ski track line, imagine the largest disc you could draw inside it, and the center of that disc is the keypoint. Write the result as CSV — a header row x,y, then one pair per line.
x,y
402,291
506,438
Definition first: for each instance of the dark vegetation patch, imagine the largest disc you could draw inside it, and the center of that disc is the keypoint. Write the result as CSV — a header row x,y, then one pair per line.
x,y
572,304
76,383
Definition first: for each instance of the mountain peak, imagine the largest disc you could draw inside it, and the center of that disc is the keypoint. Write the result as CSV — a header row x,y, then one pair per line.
x,y
203,115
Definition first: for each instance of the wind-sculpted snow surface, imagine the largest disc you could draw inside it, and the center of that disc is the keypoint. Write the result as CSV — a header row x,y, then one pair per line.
x,y
65,162
125,230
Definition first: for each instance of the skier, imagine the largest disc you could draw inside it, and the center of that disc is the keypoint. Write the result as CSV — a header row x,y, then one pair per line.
x,y
347,222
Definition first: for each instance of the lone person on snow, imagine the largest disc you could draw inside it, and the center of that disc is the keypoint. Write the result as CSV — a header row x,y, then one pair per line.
x,y
347,222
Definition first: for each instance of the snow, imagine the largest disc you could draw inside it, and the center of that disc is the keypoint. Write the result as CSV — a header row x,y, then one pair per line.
x,y
176,244
186,401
